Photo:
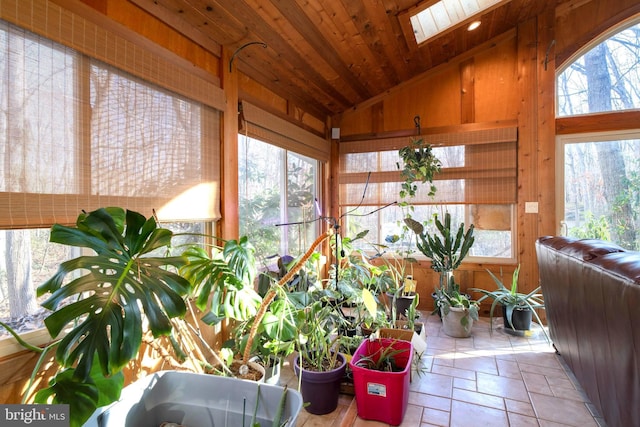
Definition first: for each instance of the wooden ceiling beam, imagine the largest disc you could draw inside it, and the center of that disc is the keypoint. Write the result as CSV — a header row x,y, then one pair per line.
x,y
296,16
285,58
368,29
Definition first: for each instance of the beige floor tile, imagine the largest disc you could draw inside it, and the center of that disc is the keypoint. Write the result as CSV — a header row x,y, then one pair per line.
x,y
471,362
435,417
544,360
558,410
519,407
465,384
454,372
518,420
478,398
503,387
438,385
508,368
536,383
412,416
430,401
464,414
568,393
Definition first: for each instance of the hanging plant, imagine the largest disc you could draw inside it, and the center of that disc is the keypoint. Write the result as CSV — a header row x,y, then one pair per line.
x,y
419,165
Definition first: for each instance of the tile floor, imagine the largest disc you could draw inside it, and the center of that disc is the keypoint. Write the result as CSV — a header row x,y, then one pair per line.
x,y
485,380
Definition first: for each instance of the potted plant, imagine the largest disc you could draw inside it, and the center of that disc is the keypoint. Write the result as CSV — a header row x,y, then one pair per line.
x,y
129,290
319,365
518,308
405,329
372,317
276,335
419,165
381,375
394,273
446,249
458,312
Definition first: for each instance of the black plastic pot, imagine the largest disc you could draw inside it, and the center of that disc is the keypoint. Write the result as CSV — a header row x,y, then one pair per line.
x,y
403,302
520,319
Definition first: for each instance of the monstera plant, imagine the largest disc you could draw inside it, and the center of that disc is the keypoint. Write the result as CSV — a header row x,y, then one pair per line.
x,y
103,303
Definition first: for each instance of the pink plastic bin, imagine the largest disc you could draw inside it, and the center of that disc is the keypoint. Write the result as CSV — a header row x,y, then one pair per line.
x,y
382,396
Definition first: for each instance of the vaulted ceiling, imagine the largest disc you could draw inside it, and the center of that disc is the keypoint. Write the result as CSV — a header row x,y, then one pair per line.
x,y
329,55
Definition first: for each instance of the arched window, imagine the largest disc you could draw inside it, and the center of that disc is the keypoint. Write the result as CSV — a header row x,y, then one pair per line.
x,y
600,172
605,78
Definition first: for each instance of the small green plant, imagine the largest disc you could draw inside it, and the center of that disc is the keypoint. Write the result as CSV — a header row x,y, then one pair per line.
x,y
458,300
417,364
383,359
511,299
411,313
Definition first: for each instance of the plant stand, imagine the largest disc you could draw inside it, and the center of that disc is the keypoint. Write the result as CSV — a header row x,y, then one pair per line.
x,y
382,396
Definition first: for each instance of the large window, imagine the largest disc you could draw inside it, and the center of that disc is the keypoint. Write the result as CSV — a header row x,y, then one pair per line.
x,y
601,197
77,134
278,192
601,185
477,184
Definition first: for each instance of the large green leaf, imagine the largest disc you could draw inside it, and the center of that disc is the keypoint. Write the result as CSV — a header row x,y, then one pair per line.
x,y
82,396
113,290
223,282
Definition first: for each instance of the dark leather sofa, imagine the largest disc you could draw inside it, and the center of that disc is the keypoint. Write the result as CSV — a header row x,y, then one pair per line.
x,y
592,298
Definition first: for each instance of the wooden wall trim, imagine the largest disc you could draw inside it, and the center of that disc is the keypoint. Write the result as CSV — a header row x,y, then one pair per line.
x,y
467,127
229,195
598,122
467,91
527,223
546,156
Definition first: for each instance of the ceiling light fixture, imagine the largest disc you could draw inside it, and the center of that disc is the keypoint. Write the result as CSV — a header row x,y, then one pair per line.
x,y
472,26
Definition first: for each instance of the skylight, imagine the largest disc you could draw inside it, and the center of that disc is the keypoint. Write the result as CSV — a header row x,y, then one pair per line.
x,y
446,14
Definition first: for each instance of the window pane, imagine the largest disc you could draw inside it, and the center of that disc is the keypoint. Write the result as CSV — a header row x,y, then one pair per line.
x,y
278,193
492,240
142,137
76,134
607,78
27,259
260,176
602,191
301,202
38,114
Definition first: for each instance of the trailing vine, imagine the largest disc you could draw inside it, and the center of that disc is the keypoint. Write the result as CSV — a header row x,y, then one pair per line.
x,y
419,165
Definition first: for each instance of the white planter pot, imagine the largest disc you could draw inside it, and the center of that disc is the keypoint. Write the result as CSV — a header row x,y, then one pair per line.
x,y
452,324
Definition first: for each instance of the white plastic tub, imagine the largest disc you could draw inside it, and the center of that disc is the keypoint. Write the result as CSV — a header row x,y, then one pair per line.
x,y
196,400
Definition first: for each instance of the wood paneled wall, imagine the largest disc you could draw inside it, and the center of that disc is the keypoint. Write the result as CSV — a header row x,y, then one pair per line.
x,y
510,78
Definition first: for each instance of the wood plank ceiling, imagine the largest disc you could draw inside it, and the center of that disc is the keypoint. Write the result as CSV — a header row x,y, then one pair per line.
x,y
329,55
